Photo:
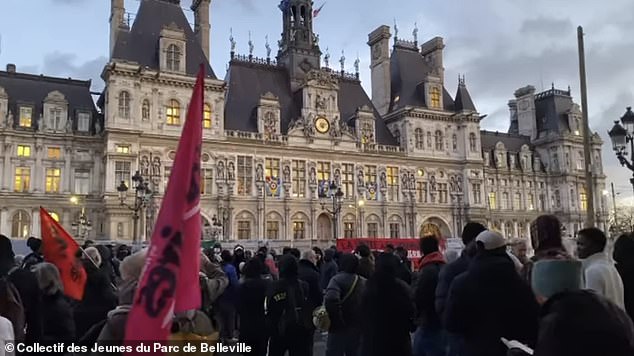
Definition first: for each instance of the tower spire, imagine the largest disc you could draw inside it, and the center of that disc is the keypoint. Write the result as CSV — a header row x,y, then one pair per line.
x,y
299,47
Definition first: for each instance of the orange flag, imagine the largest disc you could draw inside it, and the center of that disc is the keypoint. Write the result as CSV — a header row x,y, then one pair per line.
x,y
60,249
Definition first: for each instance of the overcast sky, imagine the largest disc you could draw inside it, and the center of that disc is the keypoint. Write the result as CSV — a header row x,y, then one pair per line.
x,y
499,45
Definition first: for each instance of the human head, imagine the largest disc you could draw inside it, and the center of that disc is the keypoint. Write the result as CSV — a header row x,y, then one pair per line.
x,y
386,265
286,250
288,267
217,248
253,268
624,249
519,248
550,277
348,263
389,248
34,244
309,255
7,257
363,251
48,279
123,251
132,266
93,255
491,241
329,255
590,241
428,245
471,231
238,250
295,253
88,243
225,255
401,252
248,254
318,252
546,233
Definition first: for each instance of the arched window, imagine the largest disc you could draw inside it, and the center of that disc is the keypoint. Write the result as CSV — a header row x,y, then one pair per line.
x,y
173,57
397,136
454,142
145,110
124,105
472,142
21,224
173,112
207,117
429,139
420,142
439,141
434,96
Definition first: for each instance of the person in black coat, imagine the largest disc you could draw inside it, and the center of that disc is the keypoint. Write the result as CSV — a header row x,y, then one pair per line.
x,y
429,339
57,313
491,301
328,268
308,272
287,314
405,265
388,311
251,296
35,256
450,272
366,261
624,258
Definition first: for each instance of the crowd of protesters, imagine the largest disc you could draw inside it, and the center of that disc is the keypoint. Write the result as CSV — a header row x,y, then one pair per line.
x,y
491,299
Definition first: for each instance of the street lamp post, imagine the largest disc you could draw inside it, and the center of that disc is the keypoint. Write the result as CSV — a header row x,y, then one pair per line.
x,y
142,195
621,135
336,196
82,225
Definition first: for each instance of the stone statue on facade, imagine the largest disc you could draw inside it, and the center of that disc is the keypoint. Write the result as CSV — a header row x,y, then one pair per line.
x,y
231,168
405,181
97,127
327,58
432,183
460,184
232,41
287,174
412,181
383,180
250,45
452,184
221,170
415,32
360,182
268,47
69,125
342,61
145,166
10,119
40,123
259,173
313,176
156,167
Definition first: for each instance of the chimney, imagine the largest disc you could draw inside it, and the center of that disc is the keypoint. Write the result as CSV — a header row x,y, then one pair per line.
x,y
201,24
432,52
117,11
10,68
379,42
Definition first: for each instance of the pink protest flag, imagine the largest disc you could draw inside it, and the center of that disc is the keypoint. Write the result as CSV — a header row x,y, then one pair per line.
x,y
169,282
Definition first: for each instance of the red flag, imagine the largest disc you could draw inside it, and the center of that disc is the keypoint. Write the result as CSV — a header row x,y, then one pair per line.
x,y
60,249
170,277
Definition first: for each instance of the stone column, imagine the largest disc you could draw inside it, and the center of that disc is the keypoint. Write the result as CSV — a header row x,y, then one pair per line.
x,y
68,151
287,230
6,170
515,230
38,172
503,229
35,222
5,223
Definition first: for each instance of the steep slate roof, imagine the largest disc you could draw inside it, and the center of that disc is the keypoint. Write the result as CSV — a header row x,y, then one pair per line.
x,y
408,70
551,110
29,89
513,143
141,43
248,81
463,99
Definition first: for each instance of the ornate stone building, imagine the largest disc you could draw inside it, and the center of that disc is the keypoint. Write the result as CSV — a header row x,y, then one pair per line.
x,y
278,131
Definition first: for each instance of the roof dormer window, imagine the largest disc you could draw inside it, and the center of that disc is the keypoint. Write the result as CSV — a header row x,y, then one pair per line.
x,y
434,98
173,59
26,115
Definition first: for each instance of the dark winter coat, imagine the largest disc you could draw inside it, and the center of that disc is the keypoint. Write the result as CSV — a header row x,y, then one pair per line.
x,y
346,315
491,301
366,267
283,297
309,273
57,319
425,295
404,273
387,323
446,277
26,284
99,299
624,258
251,295
328,269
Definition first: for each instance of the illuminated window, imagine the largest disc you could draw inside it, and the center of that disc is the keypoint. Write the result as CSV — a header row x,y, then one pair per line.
x,y
122,173
54,153
20,224
505,201
22,181
24,151
370,174
299,179
420,139
517,201
244,230
392,183
122,148
26,113
245,175
347,180
145,110
173,57
439,141
583,198
52,180
531,202
174,113
124,105
299,230
348,229
272,230
207,117
434,96
394,230
323,171
206,181
492,200
83,122
272,167
421,190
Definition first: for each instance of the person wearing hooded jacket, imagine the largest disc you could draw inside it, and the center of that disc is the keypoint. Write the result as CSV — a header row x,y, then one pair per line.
x,y
35,256
366,261
328,268
491,301
57,314
429,339
624,257
251,296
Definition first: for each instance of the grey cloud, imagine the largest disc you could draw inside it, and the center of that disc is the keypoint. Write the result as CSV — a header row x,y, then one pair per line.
x,y
63,65
546,26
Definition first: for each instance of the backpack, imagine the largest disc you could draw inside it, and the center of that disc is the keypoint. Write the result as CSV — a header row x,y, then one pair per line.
x,y
195,329
321,319
11,306
292,314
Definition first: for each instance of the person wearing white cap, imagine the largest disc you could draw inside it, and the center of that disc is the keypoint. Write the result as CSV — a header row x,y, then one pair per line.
x,y
491,301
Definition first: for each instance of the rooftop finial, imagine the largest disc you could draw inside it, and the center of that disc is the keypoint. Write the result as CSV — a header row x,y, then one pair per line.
x,y
552,85
268,47
395,30
415,32
356,65
342,61
233,42
569,91
250,45
461,80
327,58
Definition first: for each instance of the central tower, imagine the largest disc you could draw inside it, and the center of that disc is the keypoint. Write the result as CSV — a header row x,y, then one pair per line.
x,y
299,47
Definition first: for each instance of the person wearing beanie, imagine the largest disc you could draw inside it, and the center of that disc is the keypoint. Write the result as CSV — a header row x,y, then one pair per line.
x,y
547,243
490,301
429,338
624,257
35,256
57,314
576,322
366,261
26,285
287,312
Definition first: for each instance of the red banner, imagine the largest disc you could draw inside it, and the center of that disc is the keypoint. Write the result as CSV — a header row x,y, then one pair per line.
x,y
378,244
60,249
